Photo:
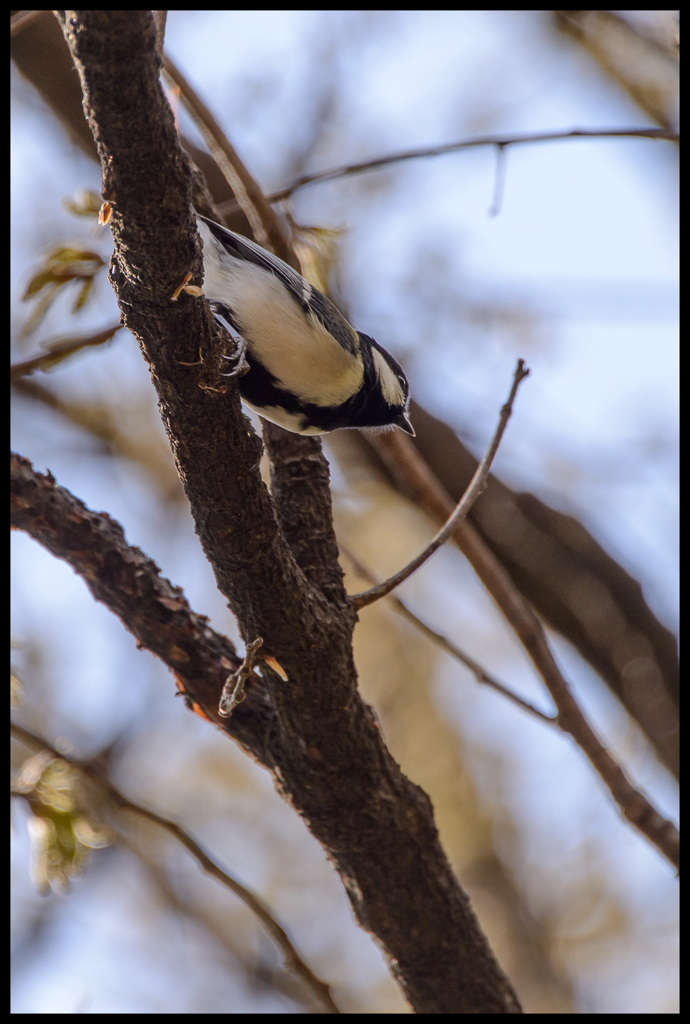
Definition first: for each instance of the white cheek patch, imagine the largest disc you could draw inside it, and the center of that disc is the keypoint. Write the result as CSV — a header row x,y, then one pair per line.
x,y
391,388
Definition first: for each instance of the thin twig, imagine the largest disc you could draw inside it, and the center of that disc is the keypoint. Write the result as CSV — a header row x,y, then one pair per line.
x,y
481,140
477,485
634,805
293,960
480,673
58,349
250,197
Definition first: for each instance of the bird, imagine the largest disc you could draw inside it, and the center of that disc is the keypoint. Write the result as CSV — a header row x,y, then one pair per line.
x,y
307,368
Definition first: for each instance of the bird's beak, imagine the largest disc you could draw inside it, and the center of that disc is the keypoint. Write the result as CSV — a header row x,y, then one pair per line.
x,y
403,421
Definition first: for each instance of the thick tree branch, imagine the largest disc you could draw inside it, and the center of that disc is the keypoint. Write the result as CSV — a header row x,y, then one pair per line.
x,y
154,611
326,748
551,557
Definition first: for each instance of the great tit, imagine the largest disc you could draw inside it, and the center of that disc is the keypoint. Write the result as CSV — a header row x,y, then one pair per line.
x,y
309,370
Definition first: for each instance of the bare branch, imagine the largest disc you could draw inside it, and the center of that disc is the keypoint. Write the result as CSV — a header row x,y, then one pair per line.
x,y
251,200
294,961
375,824
636,807
59,349
480,673
502,141
477,485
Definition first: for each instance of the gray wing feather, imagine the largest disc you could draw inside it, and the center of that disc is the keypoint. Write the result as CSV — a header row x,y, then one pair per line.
x,y
310,299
